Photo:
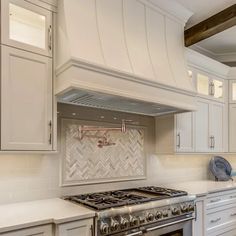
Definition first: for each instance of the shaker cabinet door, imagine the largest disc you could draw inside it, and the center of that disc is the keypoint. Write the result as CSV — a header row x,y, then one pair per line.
x,y
26,100
185,132
202,126
76,228
217,127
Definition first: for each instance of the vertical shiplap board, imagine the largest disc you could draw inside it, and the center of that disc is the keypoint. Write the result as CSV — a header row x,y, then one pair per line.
x,y
175,46
82,32
135,31
155,23
110,25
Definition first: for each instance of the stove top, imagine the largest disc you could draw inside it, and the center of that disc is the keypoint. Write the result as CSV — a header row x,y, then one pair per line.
x,y
111,199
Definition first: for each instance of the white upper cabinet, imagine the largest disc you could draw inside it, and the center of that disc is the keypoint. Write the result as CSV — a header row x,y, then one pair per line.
x,y
232,128
26,26
26,100
185,132
209,126
217,127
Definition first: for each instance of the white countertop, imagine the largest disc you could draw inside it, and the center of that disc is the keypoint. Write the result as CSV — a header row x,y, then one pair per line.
x,y
27,214
200,188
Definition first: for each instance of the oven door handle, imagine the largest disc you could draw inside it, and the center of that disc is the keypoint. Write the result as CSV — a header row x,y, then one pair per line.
x,y
136,233
168,224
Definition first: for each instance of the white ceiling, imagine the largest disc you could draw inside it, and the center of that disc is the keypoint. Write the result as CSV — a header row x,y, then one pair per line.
x,y
203,9
222,46
224,42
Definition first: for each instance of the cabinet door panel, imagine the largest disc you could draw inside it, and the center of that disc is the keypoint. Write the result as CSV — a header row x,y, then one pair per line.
x,y
184,132
232,128
202,126
77,228
26,96
45,230
216,126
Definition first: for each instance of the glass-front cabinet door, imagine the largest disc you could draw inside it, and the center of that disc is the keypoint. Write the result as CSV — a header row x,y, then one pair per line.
x,y
210,86
232,91
203,84
26,26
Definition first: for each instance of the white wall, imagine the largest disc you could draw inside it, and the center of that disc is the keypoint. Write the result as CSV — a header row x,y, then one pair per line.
x,y
30,177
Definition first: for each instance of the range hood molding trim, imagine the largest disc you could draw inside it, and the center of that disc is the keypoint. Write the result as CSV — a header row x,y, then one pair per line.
x,y
170,8
76,62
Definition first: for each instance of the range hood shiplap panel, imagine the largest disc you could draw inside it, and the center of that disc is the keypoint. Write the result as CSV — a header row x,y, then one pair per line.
x,y
77,21
175,47
136,38
111,33
155,23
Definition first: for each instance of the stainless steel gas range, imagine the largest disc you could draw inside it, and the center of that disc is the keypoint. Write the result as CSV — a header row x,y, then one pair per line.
x,y
149,211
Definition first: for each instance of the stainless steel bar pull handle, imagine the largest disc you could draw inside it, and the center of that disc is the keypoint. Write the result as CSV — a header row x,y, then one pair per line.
x,y
216,220
136,233
50,37
211,142
178,140
212,89
50,132
215,200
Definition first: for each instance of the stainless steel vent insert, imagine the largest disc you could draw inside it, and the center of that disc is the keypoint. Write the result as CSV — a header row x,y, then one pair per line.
x,y
116,103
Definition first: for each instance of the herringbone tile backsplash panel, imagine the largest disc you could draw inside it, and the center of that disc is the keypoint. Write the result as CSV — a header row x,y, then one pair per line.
x,y
84,162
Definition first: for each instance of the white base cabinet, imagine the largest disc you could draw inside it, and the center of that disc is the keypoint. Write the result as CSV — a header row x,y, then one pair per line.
x,y
26,100
45,230
76,228
199,222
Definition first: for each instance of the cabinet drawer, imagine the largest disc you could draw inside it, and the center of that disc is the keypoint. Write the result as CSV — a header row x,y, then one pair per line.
x,y
219,200
221,219
224,232
45,230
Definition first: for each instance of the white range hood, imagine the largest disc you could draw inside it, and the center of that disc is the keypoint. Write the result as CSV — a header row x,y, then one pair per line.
x,y
125,55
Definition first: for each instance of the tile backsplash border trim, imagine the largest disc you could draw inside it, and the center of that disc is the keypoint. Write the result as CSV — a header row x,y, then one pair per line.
x,y
64,183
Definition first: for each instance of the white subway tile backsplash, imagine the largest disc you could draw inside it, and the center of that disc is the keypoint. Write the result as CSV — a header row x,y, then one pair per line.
x,y
33,177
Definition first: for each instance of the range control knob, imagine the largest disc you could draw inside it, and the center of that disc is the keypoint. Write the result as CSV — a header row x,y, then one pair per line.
x,y
150,217
165,213
124,223
184,209
141,220
133,221
158,215
104,229
190,207
114,225
175,211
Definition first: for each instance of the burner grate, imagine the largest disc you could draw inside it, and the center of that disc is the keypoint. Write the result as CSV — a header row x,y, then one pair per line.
x,y
105,200
110,199
163,191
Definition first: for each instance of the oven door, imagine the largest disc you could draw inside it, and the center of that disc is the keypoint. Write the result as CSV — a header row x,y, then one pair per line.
x,y
182,227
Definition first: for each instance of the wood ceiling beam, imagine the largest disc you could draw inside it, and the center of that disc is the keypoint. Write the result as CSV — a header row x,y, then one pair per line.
x,y
211,26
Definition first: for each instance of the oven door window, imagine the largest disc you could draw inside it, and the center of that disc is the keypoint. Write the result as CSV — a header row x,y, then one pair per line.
x,y
176,233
